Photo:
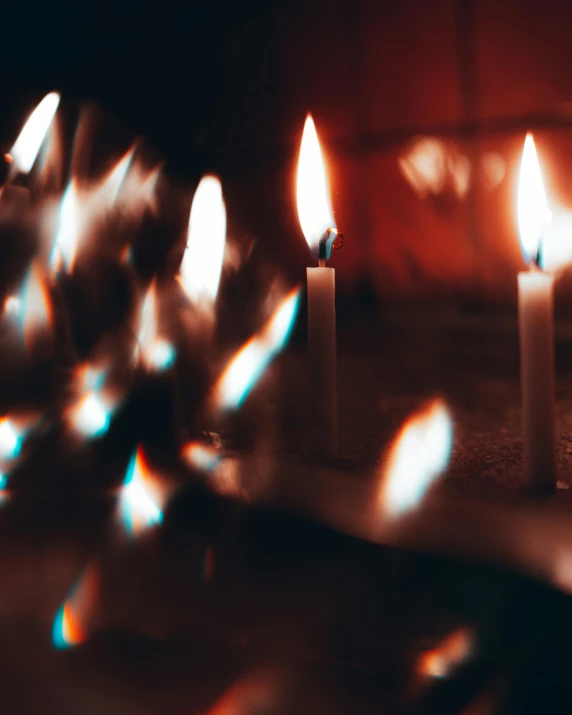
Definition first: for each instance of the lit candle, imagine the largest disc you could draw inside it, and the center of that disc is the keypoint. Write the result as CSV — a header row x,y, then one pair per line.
x,y
536,327
318,227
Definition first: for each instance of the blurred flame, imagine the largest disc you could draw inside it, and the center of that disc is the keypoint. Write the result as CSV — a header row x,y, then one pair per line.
x,y
11,439
432,165
419,454
312,193
12,306
448,655
68,628
91,416
250,362
156,352
557,242
36,305
112,183
201,457
65,243
223,473
28,143
532,206
139,507
202,260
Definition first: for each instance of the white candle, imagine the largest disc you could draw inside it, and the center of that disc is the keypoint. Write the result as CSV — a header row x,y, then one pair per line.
x,y
536,328
318,226
322,359
535,316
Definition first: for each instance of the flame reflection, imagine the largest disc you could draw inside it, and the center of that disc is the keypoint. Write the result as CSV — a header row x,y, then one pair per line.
x,y
419,454
201,457
533,212
36,305
69,628
250,362
202,261
139,506
448,655
65,243
29,141
11,440
312,193
155,352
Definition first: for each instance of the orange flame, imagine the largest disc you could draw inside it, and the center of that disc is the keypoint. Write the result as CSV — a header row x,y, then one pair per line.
x,y
29,141
203,257
312,192
448,655
419,454
37,310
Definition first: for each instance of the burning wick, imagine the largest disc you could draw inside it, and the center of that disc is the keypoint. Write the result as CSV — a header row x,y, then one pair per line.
x,y
536,327
318,227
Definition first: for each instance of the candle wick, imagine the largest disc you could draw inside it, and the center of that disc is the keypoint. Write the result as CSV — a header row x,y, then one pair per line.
x,y
322,262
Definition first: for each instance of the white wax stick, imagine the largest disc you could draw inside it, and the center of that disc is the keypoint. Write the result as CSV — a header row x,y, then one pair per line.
x,y
536,327
322,360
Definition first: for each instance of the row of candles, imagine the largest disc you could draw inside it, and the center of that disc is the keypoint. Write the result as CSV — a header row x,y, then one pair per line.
x,y
200,276
422,448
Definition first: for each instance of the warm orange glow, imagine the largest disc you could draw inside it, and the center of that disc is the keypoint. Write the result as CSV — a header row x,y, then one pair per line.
x,y
250,362
155,352
36,305
533,212
448,655
419,454
29,141
202,261
141,496
251,694
312,192
65,242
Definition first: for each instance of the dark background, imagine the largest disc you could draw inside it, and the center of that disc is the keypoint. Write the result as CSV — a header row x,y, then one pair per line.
x,y
225,87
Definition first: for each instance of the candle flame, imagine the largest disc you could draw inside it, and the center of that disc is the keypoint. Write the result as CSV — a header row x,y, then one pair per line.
x,y
312,193
65,243
139,506
36,312
202,261
419,454
532,206
250,362
29,141
448,655
155,352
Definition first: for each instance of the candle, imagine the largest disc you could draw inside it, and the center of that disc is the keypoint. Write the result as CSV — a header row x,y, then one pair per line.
x,y
536,328
318,227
